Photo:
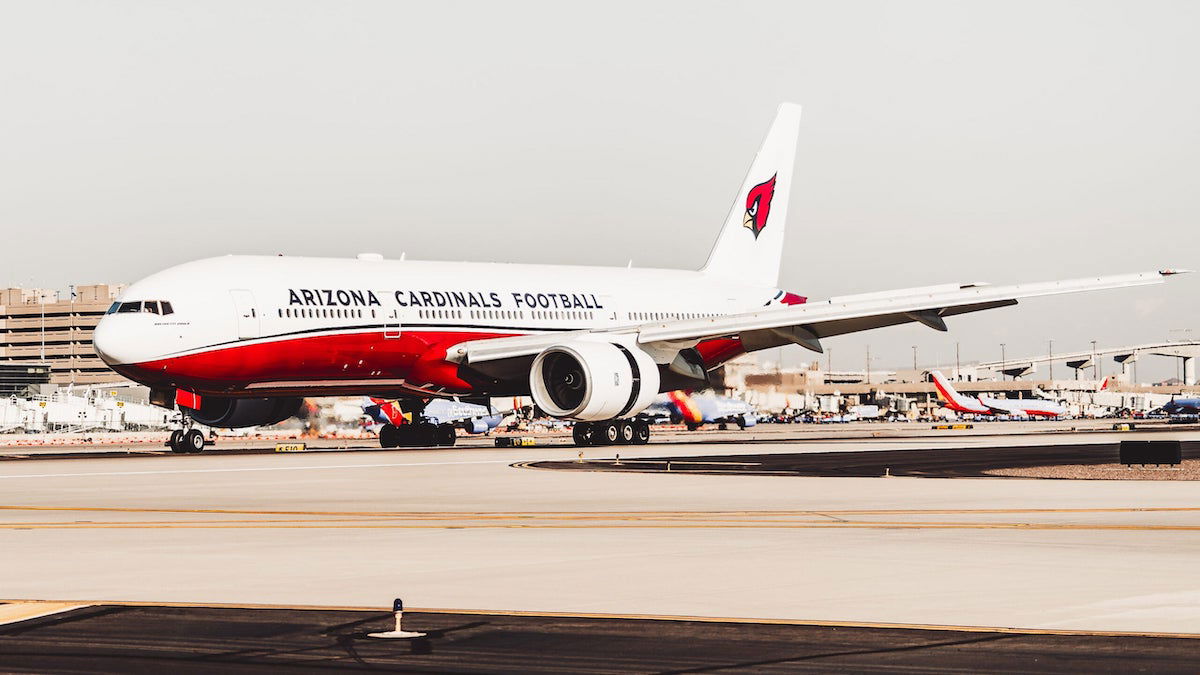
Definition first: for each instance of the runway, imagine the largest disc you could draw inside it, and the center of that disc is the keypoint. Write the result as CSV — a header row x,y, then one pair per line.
x,y
114,638
463,529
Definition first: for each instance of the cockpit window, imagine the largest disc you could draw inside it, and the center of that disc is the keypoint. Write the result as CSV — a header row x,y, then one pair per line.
x,y
143,306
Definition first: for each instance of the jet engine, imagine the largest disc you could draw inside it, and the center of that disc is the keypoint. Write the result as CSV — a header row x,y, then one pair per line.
x,y
232,413
593,381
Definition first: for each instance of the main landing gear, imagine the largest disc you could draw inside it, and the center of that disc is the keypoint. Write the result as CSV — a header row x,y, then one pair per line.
x,y
420,435
186,441
612,432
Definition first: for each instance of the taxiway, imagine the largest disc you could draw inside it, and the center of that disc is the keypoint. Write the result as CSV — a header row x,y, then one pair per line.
x,y
463,529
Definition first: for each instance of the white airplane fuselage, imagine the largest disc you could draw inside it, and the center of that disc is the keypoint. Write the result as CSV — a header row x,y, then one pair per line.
x,y
287,326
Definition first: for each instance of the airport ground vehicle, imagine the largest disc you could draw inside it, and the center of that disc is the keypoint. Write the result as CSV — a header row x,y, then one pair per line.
x,y
238,341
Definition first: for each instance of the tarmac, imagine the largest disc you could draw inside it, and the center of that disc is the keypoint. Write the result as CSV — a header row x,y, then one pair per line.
x,y
464,529
114,638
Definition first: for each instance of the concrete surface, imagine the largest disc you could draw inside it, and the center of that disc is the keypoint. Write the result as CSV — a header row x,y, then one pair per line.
x,y
461,529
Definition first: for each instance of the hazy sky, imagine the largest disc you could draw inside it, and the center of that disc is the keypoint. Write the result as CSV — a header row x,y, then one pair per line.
x,y
941,141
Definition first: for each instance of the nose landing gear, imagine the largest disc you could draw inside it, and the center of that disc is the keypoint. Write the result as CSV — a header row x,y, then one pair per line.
x,y
612,432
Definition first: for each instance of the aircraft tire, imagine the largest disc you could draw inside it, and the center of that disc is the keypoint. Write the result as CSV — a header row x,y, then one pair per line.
x,y
722,426
583,434
610,434
641,432
425,435
389,436
445,435
192,441
175,442
625,433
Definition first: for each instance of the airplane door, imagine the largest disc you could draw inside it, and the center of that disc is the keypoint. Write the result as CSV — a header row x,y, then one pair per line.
x,y
247,314
391,325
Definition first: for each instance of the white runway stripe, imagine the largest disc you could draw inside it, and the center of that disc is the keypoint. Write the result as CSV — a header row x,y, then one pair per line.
x,y
259,468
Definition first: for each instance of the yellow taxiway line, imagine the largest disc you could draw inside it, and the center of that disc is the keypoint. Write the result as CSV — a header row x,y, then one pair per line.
x,y
606,615
18,611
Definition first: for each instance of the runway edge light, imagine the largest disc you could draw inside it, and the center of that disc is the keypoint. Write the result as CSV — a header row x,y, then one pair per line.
x,y
399,633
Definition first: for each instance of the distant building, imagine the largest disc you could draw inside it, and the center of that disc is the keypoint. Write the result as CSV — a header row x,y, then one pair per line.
x,y
40,329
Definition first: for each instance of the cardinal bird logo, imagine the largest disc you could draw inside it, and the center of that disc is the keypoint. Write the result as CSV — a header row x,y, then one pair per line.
x,y
758,205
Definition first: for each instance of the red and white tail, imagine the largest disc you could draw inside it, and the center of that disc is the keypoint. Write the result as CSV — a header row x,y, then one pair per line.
x,y
1103,385
750,246
947,393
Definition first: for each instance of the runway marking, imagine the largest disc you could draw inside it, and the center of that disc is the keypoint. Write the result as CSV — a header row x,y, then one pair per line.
x,y
464,520
253,468
789,512
18,611
518,522
636,617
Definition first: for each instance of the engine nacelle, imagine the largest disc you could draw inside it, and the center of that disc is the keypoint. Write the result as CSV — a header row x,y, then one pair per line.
x,y
593,381
233,413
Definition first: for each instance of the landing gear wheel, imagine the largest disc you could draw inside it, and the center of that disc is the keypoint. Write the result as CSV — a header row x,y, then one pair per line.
x,y
176,441
193,441
692,426
722,426
641,432
445,435
610,434
425,435
625,434
583,433
389,436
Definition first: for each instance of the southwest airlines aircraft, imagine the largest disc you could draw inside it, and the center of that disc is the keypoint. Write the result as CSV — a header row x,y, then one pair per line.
x,y
238,341
986,405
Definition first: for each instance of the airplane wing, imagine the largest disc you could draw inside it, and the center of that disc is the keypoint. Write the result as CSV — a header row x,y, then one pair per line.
x,y
806,324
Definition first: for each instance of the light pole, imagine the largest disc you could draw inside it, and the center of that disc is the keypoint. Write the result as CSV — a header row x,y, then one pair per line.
x,y
1095,375
957,366
868,364
1003,358
1050,360
914,357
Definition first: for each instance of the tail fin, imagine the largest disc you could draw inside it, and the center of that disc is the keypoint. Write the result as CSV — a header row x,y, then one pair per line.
x,y
946,391
750,246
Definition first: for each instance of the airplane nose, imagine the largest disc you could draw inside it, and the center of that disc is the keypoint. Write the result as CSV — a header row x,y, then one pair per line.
x,y
103,341
113,343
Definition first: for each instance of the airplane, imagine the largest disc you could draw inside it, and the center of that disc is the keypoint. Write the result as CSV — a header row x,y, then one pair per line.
x,y
1182,407
445,415
696,410
238,341
986,405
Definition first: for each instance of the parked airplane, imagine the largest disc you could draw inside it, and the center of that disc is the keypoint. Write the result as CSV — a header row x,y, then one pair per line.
x,y
986,405
441,417
1182,407
237,341
696,410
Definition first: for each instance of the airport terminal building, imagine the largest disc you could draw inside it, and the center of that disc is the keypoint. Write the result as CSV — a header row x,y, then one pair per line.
x,y
51,336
